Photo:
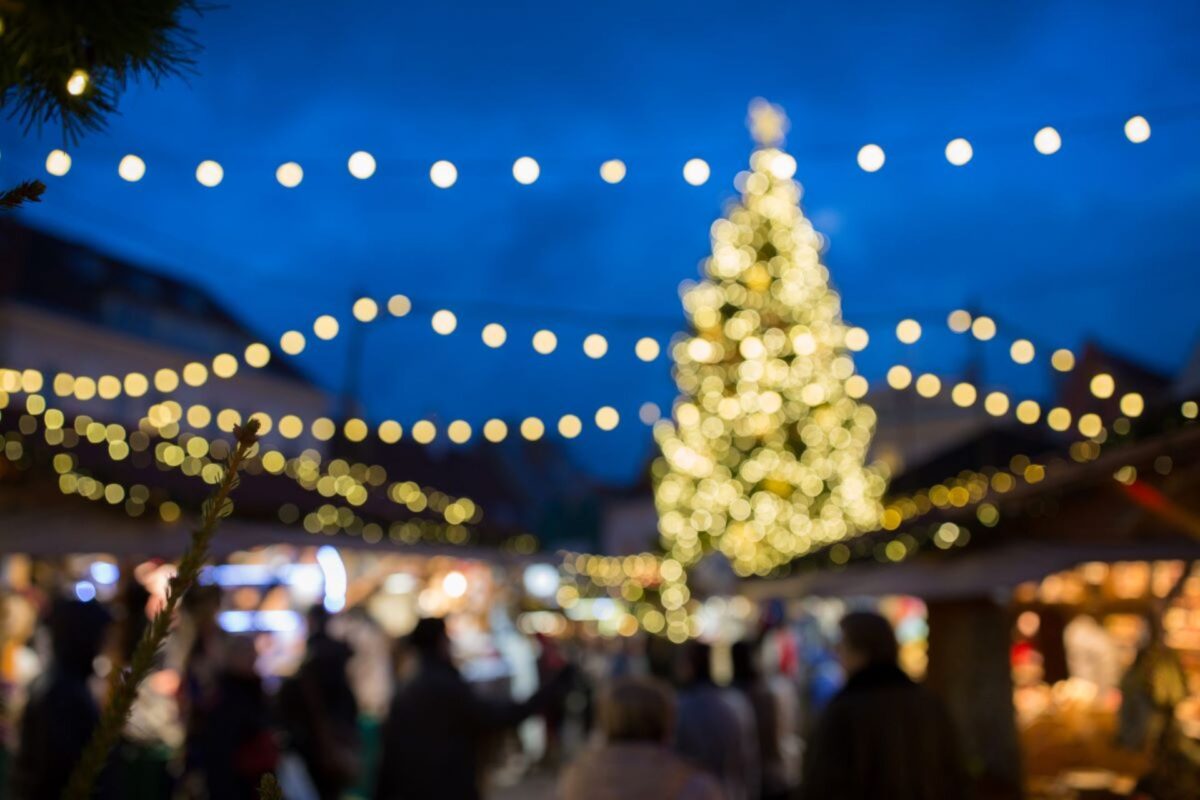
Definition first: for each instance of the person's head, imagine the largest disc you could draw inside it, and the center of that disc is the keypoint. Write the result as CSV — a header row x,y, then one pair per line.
x,y
637,710
429,639
742,657
867,640
697,666
77,632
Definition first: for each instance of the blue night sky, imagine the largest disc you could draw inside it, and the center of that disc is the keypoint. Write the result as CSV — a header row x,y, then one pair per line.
x,y
1096,241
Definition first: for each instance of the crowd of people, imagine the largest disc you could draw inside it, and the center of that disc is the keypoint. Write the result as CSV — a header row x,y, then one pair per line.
x,y
653,726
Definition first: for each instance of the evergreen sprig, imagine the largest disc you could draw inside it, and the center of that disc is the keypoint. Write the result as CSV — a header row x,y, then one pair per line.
x,y
43,43
125,683
22,193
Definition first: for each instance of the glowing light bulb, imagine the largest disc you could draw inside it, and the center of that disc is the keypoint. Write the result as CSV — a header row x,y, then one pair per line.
x,y
443,174
398,305
365,309
58,163
1137,129
959,152
210,173
647,349
871,158
1063,360
494,430
454,584
494,334
696,172
570,426
1047,141
131,168
289,175
326,327
292,343
526,170
77,84
1021,351
595,346
361,165
908,331
444,322
612,171
607,418
545,342
983,328
959,321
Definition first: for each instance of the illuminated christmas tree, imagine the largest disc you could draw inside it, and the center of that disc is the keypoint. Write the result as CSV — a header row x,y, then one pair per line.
x,y
765,458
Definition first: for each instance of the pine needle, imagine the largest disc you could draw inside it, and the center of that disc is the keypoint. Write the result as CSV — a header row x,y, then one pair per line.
x,y
124,687
22,193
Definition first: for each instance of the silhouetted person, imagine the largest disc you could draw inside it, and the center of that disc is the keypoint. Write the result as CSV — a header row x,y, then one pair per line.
x,y
432,738
238,739
882,735
61,712
716,727
776,709
637,720
320,712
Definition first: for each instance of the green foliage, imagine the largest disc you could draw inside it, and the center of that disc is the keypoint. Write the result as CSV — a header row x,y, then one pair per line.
x,y
22,193
126,681
44,42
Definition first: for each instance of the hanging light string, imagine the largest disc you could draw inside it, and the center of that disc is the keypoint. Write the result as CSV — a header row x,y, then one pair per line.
x,y
444,174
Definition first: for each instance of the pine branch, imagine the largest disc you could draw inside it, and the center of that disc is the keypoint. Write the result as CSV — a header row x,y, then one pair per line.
x,y
22,193
126,681
268,788
45,43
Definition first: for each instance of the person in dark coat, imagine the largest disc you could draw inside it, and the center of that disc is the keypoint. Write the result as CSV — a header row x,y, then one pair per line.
x,y
320,711
61,713
882,735
432,738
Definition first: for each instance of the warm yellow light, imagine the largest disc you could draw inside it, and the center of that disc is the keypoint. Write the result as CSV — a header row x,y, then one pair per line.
x,y
131,168
227,419
264,423
257,355
1058,419
210,173
607,418
899,377
856,387
494,430
291,426
454,584
289,175
390,431
612,171
195,374
444,322
166,380
365,309
1028,411
964,395
58,163
292,343
423,431
532,428
1132,405
1047,141
224,365
1090,425
136,384
398,305
696,172
1021,351
443,174
570,426
494,334
649,413
545,342
959,321
928,385
326,327
85,388
996,404
1137,129
908,331
647,349
1189,409
871,158
361,165
1063,360
108,387
959,152
857,339
983,328
459,431
526,170
595,346
77,84
1103,385
199,417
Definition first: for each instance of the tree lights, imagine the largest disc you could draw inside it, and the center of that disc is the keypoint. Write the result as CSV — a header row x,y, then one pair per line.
x,y
765,458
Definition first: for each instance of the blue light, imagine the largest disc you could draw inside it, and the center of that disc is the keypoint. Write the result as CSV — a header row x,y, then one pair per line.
x,y
85,591
104,573
334,572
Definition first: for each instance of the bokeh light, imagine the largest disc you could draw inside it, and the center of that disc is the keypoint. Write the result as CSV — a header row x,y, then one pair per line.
x,y
871,158
959,152
361,165
696,172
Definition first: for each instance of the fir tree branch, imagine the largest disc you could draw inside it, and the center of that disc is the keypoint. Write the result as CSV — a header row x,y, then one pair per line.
x,y
125,683
44,43
22,193
268,788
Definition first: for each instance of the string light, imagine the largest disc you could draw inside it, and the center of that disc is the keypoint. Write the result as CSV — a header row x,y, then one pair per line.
x,y
696,172
209,173
959,152
1137,129
983,328
1063,360
131,168
908,331
612,171
78,83
545,342
1047,141
871,158
595,346
443,174
444,322
289,175
1021,351
1102,385
365,309
58,163
361,165
526,170
494,335
959,321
